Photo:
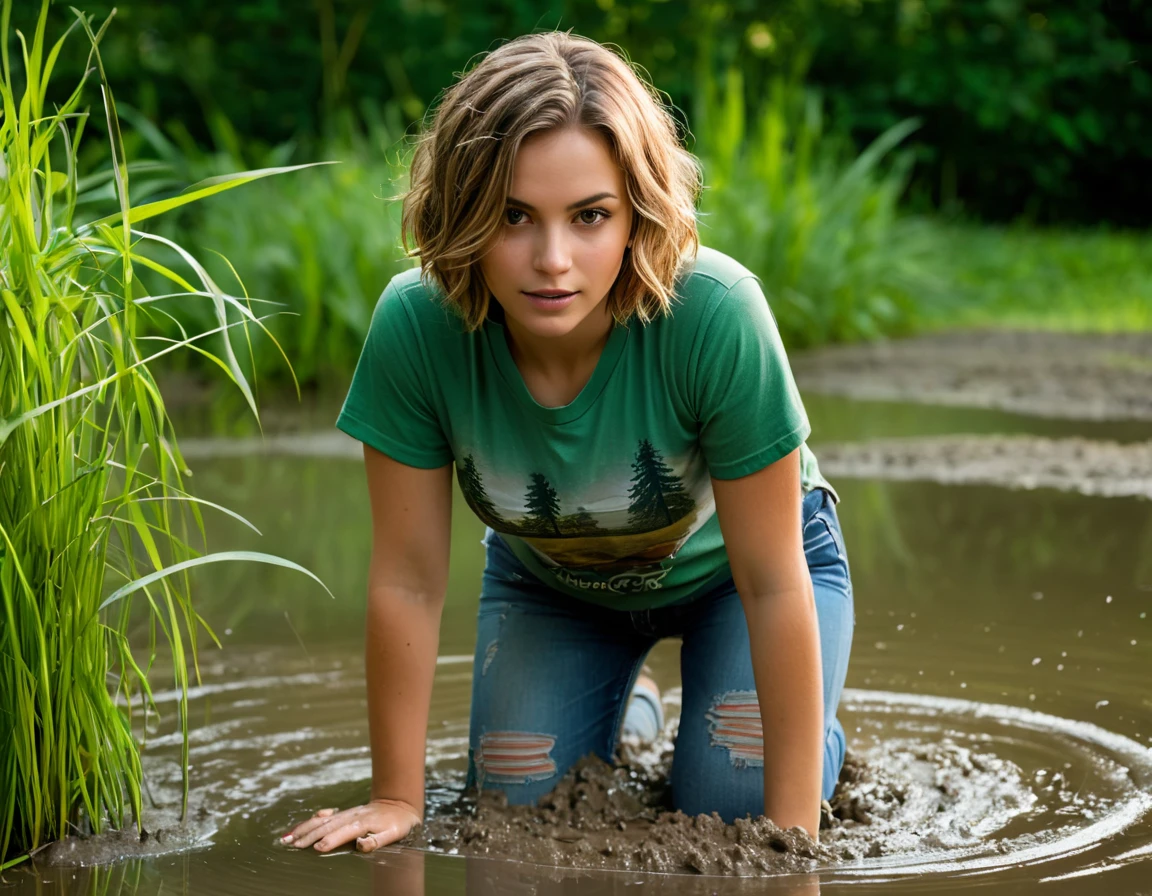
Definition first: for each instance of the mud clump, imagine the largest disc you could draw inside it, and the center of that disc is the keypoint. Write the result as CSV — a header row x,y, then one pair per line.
x,y
898,797
165,833
616,818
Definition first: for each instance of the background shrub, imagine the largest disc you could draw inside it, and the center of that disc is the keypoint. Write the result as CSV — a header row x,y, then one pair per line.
x,y
1027,106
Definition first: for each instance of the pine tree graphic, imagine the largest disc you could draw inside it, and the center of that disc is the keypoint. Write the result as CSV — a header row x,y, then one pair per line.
x,y
543,505
657,497
472,485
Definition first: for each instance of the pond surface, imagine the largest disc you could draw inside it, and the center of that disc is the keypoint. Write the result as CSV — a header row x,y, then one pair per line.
x,y
1009,630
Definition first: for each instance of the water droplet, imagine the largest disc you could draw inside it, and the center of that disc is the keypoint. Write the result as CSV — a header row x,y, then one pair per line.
x,y
1108,599
1036,661
1101,703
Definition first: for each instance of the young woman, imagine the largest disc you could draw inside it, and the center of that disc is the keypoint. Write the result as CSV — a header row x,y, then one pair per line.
x,y
619,410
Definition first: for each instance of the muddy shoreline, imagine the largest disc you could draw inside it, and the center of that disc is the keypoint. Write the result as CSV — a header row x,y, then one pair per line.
x,y
1079,376
1071,376
1106,469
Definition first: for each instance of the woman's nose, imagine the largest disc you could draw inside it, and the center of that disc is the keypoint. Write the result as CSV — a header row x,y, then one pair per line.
x,y
553,255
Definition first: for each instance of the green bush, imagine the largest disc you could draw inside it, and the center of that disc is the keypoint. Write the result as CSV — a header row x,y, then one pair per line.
x,y
816,223
321,246
1027,106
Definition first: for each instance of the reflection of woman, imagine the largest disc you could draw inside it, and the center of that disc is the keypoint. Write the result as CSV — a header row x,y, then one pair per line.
x,y
591,372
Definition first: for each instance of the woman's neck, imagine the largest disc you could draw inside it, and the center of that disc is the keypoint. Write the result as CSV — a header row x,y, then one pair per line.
x,y
556,369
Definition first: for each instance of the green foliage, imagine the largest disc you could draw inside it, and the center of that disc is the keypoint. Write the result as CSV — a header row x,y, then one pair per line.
x,y
93,511
817,226
319,246
1027,105
1048,279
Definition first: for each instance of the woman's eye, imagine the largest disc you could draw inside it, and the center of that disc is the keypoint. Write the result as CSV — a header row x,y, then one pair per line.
x,y
596,214
510,215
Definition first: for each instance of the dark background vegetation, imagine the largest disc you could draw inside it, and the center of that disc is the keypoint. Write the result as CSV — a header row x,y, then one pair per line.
x,y
1033,108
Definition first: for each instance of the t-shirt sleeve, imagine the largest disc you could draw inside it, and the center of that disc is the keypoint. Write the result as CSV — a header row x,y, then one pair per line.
x,y
747,403
388,406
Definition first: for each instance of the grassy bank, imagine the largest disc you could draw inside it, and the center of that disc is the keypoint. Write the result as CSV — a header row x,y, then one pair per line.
x,y
1023,278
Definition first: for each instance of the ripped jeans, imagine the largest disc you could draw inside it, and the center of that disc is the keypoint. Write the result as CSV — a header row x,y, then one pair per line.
x,y
552,675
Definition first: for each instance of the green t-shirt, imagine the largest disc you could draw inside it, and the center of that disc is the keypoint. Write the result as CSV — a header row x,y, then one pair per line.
x,y
607,498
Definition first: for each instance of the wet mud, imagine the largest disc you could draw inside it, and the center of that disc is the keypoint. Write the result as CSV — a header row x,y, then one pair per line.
x,y
916,798
164,833
1084,465
1072,376
1067,375
601,816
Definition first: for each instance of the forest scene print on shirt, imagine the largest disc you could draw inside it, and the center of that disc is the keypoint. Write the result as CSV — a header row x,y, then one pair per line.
x,y
653,507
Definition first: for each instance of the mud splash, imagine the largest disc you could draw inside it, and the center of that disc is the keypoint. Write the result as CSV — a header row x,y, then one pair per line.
x,y
936,792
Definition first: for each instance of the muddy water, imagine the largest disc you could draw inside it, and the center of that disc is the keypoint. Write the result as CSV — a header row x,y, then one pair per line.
x,y
999,703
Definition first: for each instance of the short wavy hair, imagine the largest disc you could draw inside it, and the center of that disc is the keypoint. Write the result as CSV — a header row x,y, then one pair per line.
x,y
461,170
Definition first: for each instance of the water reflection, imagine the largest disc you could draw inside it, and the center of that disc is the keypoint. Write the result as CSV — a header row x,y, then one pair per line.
x,y
402,873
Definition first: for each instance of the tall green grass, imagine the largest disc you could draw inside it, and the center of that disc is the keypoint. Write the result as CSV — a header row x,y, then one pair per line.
x,y
819,225
319,247
96,527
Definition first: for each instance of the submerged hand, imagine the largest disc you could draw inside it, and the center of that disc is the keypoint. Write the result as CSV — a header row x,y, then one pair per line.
x,y
377,823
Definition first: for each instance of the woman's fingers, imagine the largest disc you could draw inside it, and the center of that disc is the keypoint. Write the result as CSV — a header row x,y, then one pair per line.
x,y
317,828
306,827
367,843
371,826
340,836
382,836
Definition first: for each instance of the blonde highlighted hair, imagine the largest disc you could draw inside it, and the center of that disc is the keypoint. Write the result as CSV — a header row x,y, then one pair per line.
x,y
461,170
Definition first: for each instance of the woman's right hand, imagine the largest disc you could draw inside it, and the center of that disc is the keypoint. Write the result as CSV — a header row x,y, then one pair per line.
x,y
377,823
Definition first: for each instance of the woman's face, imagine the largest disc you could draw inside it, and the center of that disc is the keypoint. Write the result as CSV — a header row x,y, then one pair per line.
x,y
564,232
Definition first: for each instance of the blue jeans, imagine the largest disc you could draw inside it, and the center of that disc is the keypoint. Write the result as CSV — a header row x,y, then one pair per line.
x,y
552,675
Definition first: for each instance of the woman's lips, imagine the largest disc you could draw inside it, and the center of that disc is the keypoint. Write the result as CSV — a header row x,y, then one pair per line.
x,y
551,302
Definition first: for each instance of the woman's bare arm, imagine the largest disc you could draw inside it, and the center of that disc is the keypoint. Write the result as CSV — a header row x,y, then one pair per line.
x,y
407,581
759,518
